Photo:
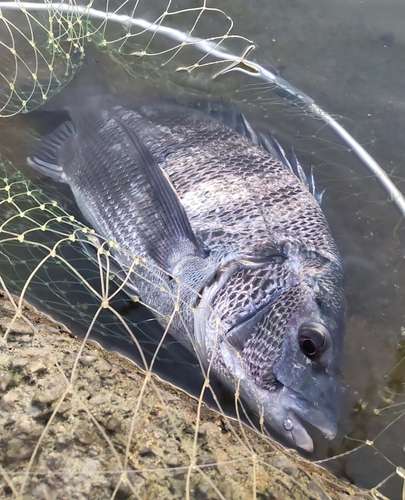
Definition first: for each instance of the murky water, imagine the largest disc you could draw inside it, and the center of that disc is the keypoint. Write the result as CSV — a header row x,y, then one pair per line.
x,y
348,57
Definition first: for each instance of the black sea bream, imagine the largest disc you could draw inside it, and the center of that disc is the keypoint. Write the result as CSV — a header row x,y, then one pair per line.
x,y
229,233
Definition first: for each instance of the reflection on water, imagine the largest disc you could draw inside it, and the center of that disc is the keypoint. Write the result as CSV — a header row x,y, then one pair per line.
x,y
341,61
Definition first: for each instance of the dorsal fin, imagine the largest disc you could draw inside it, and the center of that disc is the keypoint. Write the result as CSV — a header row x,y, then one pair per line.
x,y
234,119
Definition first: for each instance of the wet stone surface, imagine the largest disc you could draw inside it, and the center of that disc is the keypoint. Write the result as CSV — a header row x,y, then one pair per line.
x,y
99,429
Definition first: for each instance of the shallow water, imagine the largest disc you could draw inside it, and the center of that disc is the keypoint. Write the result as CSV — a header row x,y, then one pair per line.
x,y
348,58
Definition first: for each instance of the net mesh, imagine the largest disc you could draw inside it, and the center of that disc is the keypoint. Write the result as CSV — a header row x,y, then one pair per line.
x,y
39,54
96,422
156,442
42,44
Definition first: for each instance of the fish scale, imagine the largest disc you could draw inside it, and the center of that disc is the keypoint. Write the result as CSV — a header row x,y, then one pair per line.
x,y
209,201
283,196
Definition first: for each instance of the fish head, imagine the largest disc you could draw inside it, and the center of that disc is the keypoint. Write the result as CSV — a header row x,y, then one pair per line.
x,y
274,333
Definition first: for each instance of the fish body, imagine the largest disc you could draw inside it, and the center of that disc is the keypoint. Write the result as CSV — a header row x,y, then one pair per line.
x,y
228,233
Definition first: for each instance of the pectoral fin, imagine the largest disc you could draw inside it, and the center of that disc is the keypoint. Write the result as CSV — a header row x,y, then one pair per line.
x,y
163,224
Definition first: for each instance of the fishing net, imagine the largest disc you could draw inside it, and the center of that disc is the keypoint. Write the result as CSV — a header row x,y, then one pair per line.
x,y
150,441
79,420
42,43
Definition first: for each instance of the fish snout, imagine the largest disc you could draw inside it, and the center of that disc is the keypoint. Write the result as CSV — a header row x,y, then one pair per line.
x,y
282,408
293,409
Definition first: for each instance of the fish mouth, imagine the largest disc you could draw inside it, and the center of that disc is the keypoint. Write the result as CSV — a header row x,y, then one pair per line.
x,y
296,409
282,409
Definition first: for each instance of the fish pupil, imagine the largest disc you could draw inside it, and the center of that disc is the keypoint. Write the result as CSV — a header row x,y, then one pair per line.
x,y
313,338
308,347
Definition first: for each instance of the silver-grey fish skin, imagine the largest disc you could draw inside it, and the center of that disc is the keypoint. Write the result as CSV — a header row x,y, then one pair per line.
x,y
273,264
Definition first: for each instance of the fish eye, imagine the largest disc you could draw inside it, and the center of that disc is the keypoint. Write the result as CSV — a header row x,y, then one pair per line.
x,y
313,338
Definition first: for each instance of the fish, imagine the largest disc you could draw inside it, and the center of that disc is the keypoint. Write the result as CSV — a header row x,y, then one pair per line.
x,y
225,240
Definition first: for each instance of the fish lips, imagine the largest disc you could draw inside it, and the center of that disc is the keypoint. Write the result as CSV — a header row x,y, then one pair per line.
x,y
296,409
284,411
305,393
